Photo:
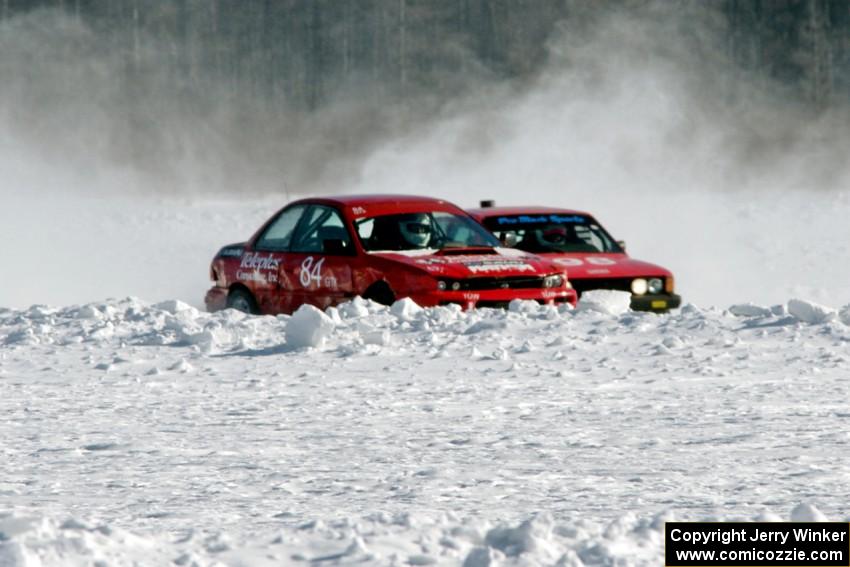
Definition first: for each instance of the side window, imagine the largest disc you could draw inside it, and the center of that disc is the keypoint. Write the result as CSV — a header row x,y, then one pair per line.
x,y
322,232
278,235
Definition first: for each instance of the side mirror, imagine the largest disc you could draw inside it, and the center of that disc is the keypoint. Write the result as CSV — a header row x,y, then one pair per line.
x,y
335,247
508,239
622,244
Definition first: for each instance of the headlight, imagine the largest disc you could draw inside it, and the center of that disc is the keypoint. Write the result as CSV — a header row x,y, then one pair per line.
x,y
443,285
655,286
556,280
639,286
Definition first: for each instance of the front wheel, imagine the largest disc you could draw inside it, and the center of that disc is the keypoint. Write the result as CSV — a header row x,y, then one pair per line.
x,y
242,300
381,293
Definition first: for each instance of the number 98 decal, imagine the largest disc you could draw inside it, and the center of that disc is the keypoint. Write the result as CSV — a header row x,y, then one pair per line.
x,y
588,259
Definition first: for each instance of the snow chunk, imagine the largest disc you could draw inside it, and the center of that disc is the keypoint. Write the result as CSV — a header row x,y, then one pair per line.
x,y
308,327
486,325
523,306
378,337
750,310
175,306
606,301
807,513
405,309
182,366
22,337
844,314
809,312
523,539
354,309
482,557
87,312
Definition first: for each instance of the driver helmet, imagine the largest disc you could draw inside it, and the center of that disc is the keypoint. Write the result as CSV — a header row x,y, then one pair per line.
x,y
552,235
416,229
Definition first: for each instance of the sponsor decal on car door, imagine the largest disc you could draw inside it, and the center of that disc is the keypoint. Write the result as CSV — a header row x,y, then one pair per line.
x,y
263,268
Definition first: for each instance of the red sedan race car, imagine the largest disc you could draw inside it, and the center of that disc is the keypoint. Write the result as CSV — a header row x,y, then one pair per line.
x,y
324,251
575,240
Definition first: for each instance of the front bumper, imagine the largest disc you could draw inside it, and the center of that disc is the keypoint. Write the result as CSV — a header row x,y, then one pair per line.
x,y
216,299
494,298
658,303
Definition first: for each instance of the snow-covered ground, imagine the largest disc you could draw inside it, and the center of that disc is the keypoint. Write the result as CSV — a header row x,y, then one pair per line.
x,y
158,433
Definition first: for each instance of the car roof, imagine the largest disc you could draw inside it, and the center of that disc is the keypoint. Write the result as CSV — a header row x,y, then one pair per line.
x,y
355,200
509,211
376,205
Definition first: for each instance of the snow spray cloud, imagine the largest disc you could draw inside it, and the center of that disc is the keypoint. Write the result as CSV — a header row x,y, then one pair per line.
x,y
90,111
641,118
642,92
631,100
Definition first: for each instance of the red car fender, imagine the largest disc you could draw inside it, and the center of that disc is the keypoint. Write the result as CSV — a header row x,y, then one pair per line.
x,y
395,276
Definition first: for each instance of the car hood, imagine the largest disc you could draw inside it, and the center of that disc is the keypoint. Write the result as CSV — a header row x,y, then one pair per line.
x,y
459,263
583,265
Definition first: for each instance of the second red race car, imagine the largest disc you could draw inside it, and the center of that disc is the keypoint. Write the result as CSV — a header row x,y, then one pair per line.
x,y
575,240
324,251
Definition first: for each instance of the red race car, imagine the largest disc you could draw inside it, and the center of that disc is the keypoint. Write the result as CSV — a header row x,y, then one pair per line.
x,y
324,251
575,240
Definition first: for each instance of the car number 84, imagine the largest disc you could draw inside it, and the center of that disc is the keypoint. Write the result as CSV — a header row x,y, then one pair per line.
x,y
311,273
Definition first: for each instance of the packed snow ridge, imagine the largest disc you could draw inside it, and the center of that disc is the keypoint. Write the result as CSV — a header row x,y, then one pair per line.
x,y
537,435
375,540
364,323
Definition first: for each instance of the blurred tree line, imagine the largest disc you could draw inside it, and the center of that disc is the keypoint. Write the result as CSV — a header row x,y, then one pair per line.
x,y
302,52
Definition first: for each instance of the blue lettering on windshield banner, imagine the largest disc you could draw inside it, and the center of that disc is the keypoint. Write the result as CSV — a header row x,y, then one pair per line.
x,y
542,219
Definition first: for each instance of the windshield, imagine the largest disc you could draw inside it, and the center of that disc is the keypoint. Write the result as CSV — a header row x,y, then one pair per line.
x,y
419,231
552,233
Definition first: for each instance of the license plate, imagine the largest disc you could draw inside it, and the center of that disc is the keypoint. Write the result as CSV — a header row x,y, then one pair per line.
x,y
659,304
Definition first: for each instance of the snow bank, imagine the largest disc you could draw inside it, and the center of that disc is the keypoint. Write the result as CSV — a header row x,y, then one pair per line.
x,y
378,539
126,320
44,542
134,322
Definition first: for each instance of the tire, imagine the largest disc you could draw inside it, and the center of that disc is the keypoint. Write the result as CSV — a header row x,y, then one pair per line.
x,y
381,293
242,300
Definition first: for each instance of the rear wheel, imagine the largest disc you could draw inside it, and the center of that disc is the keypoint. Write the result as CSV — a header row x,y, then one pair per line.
x,y
381,293
242,300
